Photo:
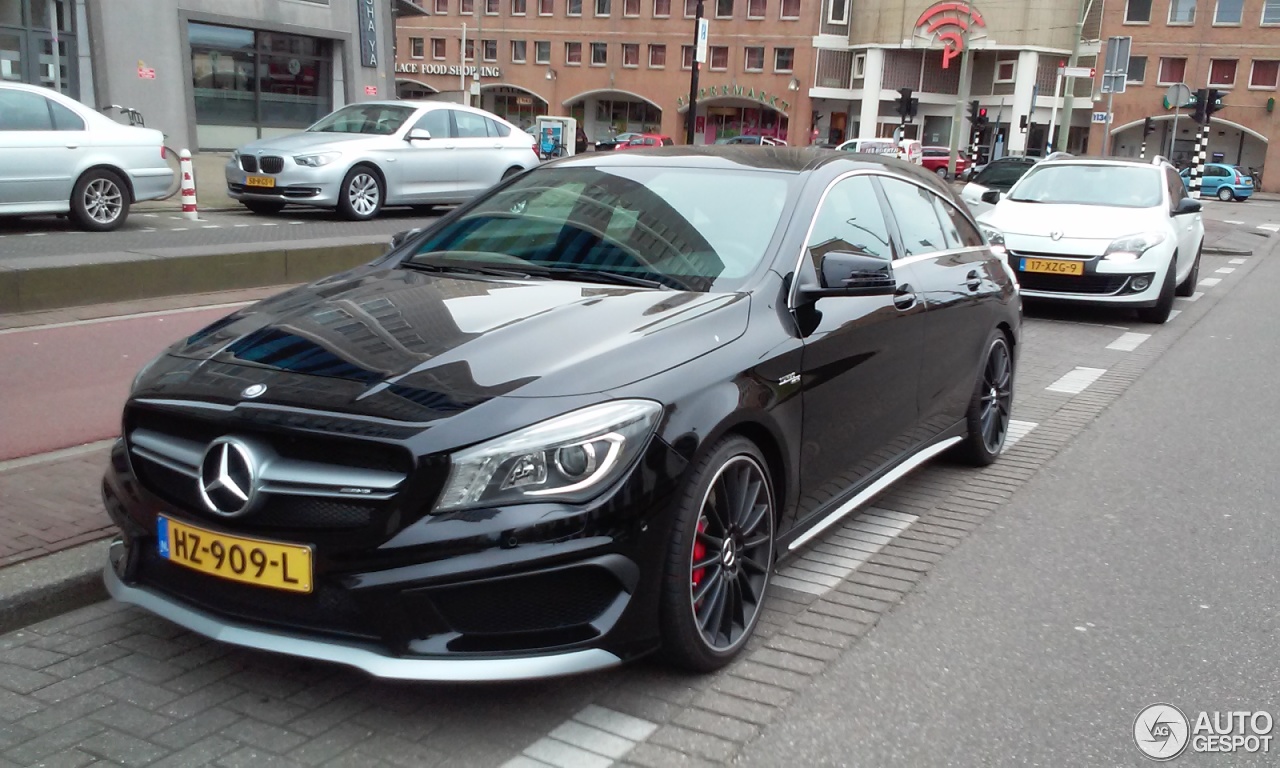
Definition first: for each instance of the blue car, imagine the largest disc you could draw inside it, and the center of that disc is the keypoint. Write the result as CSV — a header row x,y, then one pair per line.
x,y
1228,182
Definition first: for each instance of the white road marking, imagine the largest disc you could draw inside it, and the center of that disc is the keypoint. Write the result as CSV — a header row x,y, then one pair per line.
x,y
176,218
134,316
1076,381
1270,227
1209,282
36,234
1017,431
1174,313
1231,221
1225,270
149,215
839,553
1128,342
1237,261
178,229
296,222
1193,297
268,224
237,226
212,226
593,737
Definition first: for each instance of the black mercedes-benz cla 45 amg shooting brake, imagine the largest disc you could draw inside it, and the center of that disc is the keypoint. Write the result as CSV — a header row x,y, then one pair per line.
x,y
575,421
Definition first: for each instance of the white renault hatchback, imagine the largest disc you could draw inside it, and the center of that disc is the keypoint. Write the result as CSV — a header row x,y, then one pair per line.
x,y
1096,231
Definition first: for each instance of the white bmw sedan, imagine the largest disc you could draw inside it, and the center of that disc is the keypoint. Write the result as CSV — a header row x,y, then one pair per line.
x,y
59,156
1098,231
376,153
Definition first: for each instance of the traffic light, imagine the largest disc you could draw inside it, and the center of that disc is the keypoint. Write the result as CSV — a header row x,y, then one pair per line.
x,y
973,112
1148,126
1022,123
906,106
982,118
1214,102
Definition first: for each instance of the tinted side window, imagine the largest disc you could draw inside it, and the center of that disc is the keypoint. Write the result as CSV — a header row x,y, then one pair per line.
x,y
64,119
437,123
852,220
24,111
969,235
1177,187
470,125
916,215
497,129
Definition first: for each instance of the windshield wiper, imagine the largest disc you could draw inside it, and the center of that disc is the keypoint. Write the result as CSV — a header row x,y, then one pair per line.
x,y
467,269
594,276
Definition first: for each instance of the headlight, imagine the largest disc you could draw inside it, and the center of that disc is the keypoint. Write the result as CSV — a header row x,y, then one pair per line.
x,y
994,237
1132,247
568,458
235,156
315,161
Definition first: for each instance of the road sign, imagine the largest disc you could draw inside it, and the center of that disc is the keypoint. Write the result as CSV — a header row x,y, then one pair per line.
x,y
700,52
1100,117
1178,96
371,90
147,73
1088,72
1116,71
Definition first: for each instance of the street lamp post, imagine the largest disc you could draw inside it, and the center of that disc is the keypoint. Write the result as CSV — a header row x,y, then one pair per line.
x,y
692,114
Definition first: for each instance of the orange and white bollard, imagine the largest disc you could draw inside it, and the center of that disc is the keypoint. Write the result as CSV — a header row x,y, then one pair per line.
x,y
188,186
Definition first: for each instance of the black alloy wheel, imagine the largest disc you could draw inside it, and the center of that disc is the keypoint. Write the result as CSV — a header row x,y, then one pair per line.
x,y
720,559
991,407
1159,313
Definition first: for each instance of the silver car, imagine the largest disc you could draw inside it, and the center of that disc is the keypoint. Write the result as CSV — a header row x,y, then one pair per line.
x,y
376,153
59,156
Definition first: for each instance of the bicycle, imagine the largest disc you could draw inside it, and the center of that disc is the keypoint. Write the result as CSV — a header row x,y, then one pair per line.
x,y
548,150
170,154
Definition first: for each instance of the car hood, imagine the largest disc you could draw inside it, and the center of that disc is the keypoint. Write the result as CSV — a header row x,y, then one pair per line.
x,y
413,346
1075,222
316,141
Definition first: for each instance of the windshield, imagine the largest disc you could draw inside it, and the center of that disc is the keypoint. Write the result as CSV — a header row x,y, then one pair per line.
x,y
685,228
1109,185
1002,175
373,119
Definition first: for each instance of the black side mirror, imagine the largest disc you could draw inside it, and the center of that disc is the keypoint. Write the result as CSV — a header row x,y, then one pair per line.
x,y
991,196
399,238
418,134
854,274
1187,205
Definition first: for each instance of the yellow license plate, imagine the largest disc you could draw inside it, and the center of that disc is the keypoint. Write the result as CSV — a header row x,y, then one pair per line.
x,y
248,561
259,181
1053,266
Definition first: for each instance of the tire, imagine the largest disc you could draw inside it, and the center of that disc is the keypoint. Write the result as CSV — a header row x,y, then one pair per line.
x,y
991,406
1164,305
1225,194
99,201
712,590
362,193
1188,287
175,165
512,171
264,207
942,173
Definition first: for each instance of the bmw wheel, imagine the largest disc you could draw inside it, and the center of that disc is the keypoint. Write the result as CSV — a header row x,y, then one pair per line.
x,y
719,558
991,406
361,196
99,201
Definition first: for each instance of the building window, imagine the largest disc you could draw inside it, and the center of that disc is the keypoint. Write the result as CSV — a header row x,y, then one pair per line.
x,y
467,7
719,58
657,56
1137,69
1265,74
519,7
490,50
1182,11
686,57
518,51
541,51
631,8
1172,71
1222,73
1271,12
1228,12
603,7
1006,71
724,9
442,7
438,49
546,7
790,9
599,54
491,7
470,54
661,9
631,55
838,12
859,65
756,8
573,53
784,59
417,48
753,58
1137,12
690,8
573,8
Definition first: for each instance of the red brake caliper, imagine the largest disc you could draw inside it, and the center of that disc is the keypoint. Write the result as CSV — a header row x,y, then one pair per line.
x,y
699,552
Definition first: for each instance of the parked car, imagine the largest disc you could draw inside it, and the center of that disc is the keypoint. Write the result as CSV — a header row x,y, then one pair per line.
x,y
909,150
59,156
1226,182
1000,176
621,138
936,159
767,141
404,468
1111,232
376,153
646,141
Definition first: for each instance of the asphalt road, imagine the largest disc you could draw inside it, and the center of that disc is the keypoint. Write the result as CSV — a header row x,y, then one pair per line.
x,y
1136,568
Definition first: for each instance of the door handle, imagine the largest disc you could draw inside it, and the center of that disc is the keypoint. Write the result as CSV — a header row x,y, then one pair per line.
x,y
973,282
905,297
73,146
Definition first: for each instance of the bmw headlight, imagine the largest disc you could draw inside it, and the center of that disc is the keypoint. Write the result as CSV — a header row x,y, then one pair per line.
x,y
317,160
567,458
235,157
1131,247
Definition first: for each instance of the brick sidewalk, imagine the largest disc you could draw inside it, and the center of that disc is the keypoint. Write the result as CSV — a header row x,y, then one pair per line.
x,y
51,505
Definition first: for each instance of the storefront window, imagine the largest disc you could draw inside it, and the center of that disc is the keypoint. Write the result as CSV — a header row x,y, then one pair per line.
x,y
28,53
243,77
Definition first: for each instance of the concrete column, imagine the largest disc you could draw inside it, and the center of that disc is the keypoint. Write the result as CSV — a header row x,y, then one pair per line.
x,y
1028,65
870,116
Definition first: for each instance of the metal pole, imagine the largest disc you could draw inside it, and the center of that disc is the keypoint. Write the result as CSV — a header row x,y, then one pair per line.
x,y
692,115
1068,102
57,52
1106,128
995,132
462,68
1053,115
1173,135
479,57
962,102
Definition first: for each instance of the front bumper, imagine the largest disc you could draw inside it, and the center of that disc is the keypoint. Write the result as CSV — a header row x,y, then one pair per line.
x,y
1103,282
293,184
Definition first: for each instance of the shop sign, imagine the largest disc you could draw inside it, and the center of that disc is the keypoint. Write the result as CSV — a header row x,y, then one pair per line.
x,y
448,69
740,92
368,22
954,24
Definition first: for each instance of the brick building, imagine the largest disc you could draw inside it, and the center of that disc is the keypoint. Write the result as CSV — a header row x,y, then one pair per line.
x,y
618,65
1231,45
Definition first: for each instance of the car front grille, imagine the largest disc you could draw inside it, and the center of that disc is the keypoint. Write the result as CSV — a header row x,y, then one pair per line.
x,y
271,164
248,163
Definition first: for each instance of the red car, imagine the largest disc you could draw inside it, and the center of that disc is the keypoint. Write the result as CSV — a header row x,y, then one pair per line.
x,y
935,159
647,140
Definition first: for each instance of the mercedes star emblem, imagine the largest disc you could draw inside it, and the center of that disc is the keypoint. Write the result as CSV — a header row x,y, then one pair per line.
x,y
228,477
253,390
1056,235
